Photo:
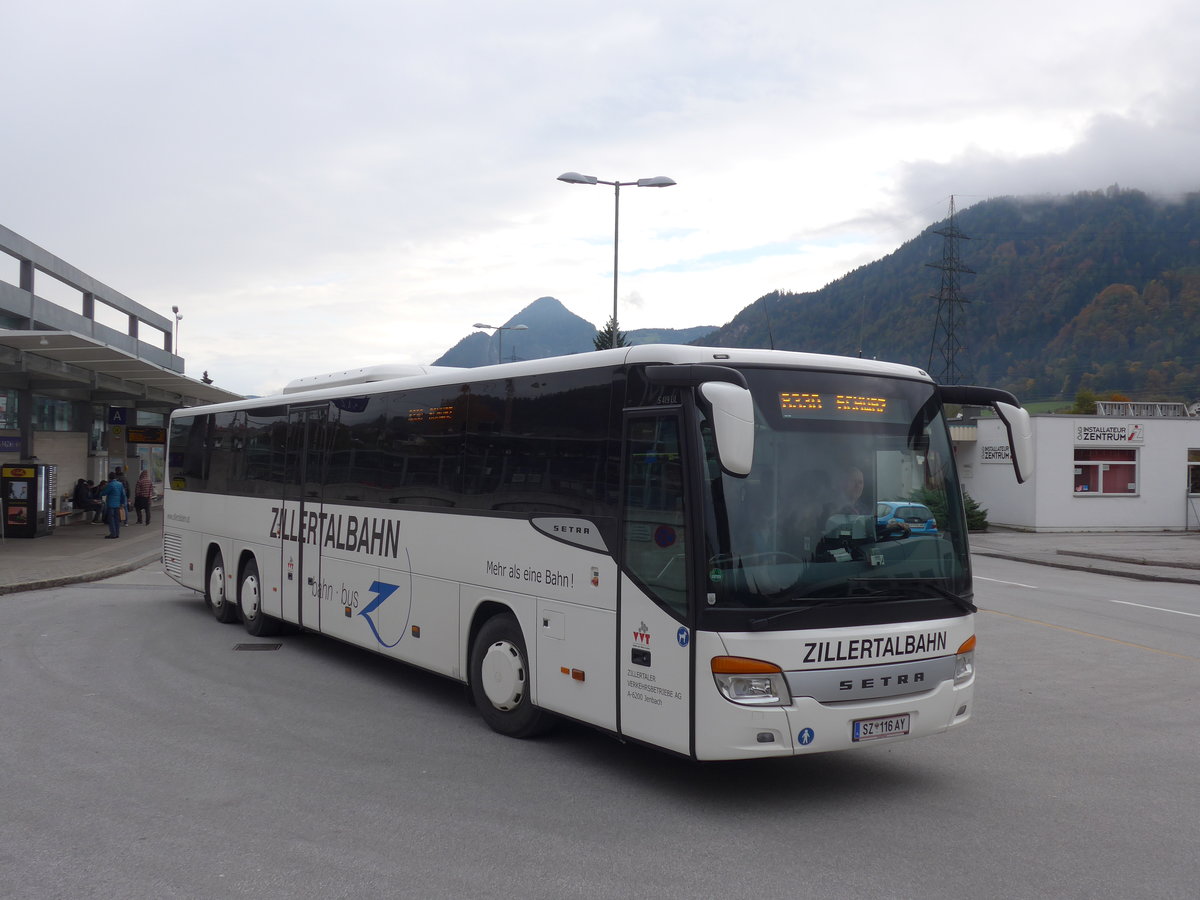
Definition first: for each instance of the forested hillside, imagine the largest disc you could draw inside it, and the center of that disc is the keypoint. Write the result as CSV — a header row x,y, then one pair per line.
x,y
1095,291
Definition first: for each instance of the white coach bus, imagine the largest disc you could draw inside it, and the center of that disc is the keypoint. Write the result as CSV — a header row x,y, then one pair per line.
x,y
657,541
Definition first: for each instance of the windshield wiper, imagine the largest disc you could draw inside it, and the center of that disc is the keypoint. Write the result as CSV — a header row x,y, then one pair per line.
x,y
909,585
911,589
816,602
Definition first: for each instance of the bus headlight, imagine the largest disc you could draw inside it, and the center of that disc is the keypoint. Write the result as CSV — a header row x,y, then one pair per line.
x,y
750,682
964,662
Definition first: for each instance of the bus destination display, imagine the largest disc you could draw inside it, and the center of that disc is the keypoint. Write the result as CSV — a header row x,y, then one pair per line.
x,y
799,405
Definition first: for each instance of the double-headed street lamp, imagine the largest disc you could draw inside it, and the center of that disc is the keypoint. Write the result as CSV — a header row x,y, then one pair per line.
x,y
656,181
500,329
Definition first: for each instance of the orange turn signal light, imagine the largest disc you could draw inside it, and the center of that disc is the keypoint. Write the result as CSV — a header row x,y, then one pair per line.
x,y
968,645
740,665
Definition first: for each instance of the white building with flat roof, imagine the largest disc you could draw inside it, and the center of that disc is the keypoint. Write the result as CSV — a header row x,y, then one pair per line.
x,y
1092,473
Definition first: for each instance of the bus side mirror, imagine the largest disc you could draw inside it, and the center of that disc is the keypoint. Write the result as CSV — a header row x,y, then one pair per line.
x,y
1020,438
1015,419
733,424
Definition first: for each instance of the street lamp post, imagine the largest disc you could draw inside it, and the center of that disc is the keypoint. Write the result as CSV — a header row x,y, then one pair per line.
x,y
500,329
178,316
656,181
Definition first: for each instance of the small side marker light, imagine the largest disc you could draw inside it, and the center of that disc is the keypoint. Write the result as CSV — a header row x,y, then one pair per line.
x,y
577,674
765,737
416,631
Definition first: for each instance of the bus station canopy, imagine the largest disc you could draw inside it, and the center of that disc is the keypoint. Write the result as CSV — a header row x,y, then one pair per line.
x,y
68,363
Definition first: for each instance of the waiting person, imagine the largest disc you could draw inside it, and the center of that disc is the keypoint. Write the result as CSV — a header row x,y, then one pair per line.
x,y
81,498
115,500
120,476
143,493
97,494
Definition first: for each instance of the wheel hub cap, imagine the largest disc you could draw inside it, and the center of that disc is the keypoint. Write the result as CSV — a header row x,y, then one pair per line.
x,y
503,673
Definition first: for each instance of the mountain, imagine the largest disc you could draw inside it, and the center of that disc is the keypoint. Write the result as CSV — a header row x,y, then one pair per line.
x,y
1094,291
550,330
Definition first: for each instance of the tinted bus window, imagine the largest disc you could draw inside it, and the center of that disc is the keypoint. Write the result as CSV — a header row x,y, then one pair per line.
x,y
540,444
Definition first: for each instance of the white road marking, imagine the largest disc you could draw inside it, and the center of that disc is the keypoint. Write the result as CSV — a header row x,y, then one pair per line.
x,y
1033,587
1178,612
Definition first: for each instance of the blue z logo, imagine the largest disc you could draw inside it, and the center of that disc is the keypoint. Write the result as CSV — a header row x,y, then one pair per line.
x,y
382,591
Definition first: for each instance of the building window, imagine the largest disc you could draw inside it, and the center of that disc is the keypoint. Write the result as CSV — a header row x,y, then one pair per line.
x,y
1105,471
51,414
1193,472
8,409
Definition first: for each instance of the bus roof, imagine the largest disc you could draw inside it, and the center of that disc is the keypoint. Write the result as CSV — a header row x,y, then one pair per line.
x,y
379,379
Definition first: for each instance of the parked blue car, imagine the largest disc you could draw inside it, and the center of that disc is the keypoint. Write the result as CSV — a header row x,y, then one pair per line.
x,y
916,516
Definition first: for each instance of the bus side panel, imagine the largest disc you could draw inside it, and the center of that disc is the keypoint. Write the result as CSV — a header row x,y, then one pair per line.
x,y
575,662
654,660
410,618
433,644
356,605
186,512
183,557
270,577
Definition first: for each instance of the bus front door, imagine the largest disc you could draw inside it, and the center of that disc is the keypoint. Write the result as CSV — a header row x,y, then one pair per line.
x,y
653,638
303,490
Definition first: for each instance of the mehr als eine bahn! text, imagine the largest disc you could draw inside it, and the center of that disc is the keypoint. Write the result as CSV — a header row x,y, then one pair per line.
x,y
698,550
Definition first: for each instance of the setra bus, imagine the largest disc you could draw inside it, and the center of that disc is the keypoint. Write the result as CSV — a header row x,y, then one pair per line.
x,y
677,545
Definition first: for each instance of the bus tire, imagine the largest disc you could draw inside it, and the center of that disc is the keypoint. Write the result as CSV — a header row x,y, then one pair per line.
x,y
500,680
255,621
222,608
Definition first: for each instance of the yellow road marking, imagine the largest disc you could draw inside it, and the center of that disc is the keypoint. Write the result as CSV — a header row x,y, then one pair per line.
x,y
1091,635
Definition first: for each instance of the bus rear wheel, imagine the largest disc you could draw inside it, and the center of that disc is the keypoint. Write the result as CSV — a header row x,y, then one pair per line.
x,y
254,619
218,602
500,680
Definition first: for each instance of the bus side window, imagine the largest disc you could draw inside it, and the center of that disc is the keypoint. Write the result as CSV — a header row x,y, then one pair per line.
x,y
655,529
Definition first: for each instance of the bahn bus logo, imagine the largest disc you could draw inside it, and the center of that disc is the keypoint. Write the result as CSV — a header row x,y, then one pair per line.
x,y
642,635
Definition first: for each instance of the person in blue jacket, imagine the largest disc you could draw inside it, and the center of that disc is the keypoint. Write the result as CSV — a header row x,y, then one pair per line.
x,y
114,499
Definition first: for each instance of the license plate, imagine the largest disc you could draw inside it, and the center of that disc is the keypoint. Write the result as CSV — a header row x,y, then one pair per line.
x,y
883,727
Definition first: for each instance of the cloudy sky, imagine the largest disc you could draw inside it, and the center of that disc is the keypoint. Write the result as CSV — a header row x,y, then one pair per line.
x,y
323,185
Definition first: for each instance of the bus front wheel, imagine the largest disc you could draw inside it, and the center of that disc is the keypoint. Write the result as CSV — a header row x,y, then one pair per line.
x,y
500,680
214,591
254,619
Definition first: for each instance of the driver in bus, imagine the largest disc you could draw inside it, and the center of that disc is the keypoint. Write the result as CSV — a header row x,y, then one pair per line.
x,y
852,484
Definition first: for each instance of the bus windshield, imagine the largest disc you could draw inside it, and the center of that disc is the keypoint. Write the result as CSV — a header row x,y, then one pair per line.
x,y
852,499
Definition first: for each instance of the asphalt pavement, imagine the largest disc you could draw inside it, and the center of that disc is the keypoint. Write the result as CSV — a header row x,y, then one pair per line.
x,y
78,552
1143,555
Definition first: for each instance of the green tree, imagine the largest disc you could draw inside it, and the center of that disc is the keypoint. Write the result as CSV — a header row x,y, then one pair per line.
x,y
936,501
1085,403
610,336
976,515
